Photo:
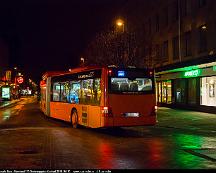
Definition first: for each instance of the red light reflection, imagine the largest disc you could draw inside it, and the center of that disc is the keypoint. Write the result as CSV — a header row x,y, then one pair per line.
x,y
156,155
106,155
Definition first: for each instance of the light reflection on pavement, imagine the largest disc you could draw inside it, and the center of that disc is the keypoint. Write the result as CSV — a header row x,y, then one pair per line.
x,y
29,140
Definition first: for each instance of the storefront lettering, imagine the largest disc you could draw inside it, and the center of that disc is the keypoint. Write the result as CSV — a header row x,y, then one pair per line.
x,y
192,73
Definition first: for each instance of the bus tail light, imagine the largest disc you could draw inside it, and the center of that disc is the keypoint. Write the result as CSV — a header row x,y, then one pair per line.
x,y
106,111
154,110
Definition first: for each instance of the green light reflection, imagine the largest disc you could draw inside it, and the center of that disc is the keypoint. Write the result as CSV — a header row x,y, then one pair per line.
x,y
184,159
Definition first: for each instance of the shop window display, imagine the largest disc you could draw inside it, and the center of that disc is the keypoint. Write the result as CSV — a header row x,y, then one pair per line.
x,y
208,89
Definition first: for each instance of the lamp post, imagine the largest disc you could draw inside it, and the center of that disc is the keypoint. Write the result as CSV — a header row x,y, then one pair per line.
x,y
82,61
126,36
15,75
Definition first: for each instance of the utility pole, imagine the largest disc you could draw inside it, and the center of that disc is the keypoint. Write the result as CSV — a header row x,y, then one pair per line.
x,y
179,29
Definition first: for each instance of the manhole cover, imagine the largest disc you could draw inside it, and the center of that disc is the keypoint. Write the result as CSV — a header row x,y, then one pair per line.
x,y
207,153
28,152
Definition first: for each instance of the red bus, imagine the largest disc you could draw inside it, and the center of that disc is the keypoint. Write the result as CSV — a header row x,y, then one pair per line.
x,y
100,96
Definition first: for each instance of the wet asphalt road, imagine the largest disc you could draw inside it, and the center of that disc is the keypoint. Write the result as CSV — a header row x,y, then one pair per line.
x,y
29,140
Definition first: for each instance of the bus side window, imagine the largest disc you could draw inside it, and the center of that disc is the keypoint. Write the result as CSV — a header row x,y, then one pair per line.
x,y
97,91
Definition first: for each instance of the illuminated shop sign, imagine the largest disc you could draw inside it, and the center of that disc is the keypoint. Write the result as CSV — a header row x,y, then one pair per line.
x,y
5,92
192,73
214,68
20,80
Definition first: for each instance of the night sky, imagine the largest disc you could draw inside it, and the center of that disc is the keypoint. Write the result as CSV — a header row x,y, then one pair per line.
x,y
51,35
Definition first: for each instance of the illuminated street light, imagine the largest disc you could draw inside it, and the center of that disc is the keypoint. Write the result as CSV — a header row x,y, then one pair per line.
x,y
120,23
82,59
204,27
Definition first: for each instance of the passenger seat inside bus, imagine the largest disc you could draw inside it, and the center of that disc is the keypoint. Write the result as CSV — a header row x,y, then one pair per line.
x,y
124,87
115,87
133,87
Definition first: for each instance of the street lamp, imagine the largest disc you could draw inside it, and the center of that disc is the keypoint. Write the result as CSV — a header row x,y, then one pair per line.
x,y
120,23
82,61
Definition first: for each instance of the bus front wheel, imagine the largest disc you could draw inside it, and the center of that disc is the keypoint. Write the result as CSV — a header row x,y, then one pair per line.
x,y
74,119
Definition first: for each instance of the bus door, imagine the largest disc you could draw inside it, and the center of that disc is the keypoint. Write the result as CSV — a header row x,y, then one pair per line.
x,y
47,98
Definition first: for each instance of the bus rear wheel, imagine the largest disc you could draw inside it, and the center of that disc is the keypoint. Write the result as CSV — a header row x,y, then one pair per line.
x,y
74,119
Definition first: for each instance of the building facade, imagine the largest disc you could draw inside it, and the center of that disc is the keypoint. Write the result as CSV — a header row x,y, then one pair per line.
x,y
4,60
180,43
184,47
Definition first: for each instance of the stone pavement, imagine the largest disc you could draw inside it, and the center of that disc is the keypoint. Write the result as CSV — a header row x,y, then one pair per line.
x,y
171,118
4,104
186,119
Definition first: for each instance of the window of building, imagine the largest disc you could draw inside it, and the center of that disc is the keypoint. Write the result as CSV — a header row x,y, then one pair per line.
x,y
187,44
175,11
166,92
208,91
165,51
185,7
175,44
202,3
149,26
166,18
192,90
158,53
158,93
157,23
202,38
179,90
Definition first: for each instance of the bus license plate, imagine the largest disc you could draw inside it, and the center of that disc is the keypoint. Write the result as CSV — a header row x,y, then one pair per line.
x,y
131,114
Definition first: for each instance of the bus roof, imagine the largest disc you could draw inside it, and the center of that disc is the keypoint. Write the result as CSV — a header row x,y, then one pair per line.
x,y
75,70
59,73
52,73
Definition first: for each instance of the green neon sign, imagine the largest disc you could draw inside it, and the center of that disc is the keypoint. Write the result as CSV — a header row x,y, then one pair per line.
x,y
214,68
192,73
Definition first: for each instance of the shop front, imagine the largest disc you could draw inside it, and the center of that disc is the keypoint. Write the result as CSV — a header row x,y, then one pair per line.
x,y
191,87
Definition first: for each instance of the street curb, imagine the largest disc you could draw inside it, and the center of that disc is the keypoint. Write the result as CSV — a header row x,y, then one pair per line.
x,y
10,104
